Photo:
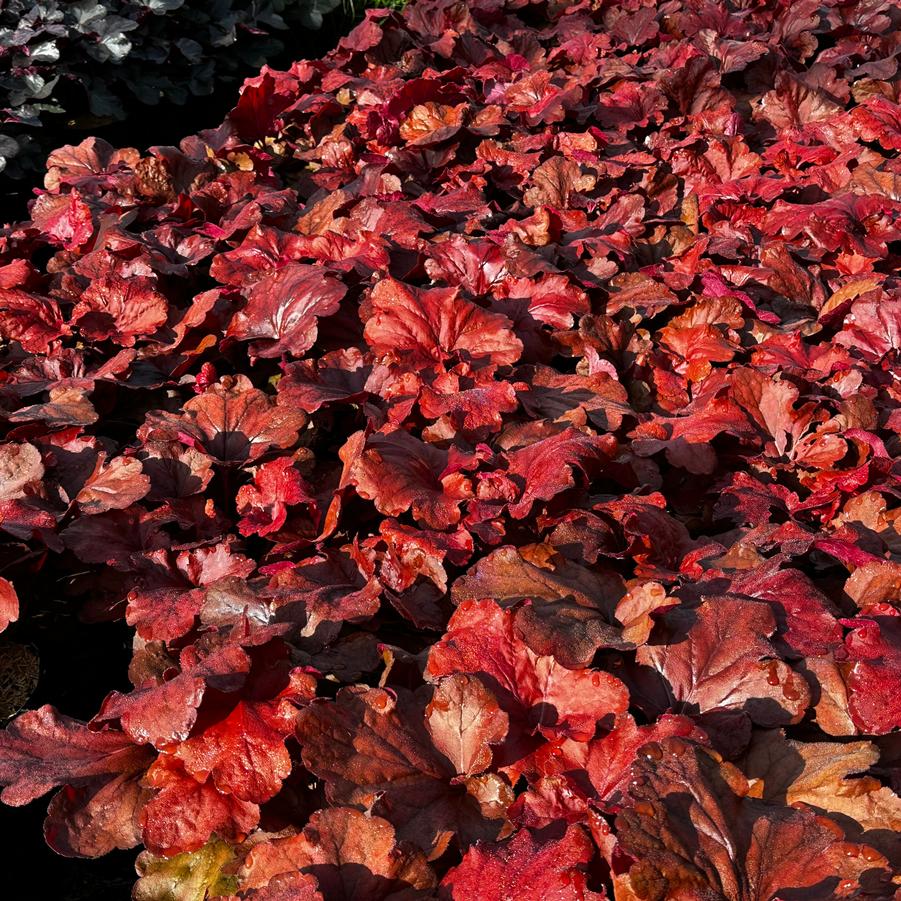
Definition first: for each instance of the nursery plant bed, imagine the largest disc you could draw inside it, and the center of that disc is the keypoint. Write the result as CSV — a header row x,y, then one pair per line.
x,y
488,436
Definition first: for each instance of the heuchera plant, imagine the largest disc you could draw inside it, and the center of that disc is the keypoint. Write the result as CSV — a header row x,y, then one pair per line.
x,y
490,433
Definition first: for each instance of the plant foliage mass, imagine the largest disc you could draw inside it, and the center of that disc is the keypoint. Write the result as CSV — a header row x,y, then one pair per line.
x,y
490,433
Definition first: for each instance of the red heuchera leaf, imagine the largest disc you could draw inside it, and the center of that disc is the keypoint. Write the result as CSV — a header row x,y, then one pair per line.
x,y
399,473
335,378
768,403
878,119
31,320
231,421
92,820
539,694
872,328
352,855
687,440
568,610
635,611
464,720
810,624
175,471
819,774
164,613
477,266
411,553
9,604
97,808
21,468
264,504
43,749
333,588
874,583
467,406
65,218
66,406
718,656
431,123
120,308
424,327
524,866
160,715
82,163
210,562
568,778
286,887
371,748
283,308
555,182
793,104
184,812
244,753
575,399
114,485
874,679
694,831
546,468
552,299
162,709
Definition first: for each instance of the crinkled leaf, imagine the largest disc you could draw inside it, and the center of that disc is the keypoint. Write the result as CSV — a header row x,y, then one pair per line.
x,y
524,866
464,720
283,309
353,856
436,325
9,604
718,656
398,472
539,694
372,750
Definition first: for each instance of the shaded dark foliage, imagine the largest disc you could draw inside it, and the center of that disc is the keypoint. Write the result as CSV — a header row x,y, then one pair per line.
x,y
86,64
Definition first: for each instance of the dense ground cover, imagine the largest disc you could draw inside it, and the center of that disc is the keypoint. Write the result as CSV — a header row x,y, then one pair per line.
x,y
490,434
